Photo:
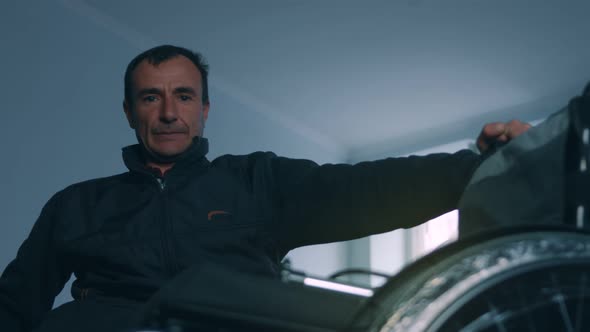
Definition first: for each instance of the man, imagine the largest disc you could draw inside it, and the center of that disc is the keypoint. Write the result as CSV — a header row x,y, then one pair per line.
x,y
124,236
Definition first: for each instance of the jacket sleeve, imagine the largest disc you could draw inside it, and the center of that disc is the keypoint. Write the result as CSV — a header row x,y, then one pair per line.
x,y
337,202
29,284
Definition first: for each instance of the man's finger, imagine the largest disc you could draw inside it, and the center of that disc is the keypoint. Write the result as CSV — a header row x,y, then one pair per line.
x,y
515,128
493,129
489,134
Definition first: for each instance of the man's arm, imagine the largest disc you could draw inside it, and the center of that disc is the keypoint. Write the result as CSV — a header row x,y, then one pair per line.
x,y
31,281
330,203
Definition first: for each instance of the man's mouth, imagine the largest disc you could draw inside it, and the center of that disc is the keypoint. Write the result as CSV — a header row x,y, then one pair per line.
x,y
169,135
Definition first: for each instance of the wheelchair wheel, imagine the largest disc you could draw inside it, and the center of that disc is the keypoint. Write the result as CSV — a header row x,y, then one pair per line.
x,y
513,280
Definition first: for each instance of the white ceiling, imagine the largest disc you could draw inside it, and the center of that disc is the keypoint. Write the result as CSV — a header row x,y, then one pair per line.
x,y
366,77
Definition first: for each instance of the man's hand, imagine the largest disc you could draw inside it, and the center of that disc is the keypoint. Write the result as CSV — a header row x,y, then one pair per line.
x,y
500,132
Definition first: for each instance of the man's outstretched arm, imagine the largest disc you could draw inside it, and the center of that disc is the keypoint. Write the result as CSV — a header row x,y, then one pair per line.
x,y
329,203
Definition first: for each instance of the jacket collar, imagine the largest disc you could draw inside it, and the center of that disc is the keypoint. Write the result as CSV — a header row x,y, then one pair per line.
x,y
134,159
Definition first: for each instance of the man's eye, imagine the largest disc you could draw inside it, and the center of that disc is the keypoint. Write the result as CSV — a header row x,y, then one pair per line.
x,y
185,97
149,99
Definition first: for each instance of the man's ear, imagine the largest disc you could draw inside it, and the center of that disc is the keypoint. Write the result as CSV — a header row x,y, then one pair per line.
x,y
129,114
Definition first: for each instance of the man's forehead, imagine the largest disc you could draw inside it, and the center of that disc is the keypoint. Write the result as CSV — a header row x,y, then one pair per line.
x,y
178,70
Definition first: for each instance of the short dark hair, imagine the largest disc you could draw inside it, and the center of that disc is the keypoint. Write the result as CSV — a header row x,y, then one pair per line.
x,y
159,54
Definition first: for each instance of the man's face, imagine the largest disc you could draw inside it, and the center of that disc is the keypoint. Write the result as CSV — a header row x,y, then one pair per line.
x,y
167,109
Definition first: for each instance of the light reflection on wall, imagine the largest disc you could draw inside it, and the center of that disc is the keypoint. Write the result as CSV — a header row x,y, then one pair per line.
x,y
433,234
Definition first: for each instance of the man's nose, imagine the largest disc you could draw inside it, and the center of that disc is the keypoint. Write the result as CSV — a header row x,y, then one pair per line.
x,y
168,112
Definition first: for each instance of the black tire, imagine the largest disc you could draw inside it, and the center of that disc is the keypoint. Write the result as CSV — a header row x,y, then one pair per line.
x,y
512,280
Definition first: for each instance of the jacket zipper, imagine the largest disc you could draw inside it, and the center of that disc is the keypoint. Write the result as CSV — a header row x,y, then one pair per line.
x,y
166,251
161,183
